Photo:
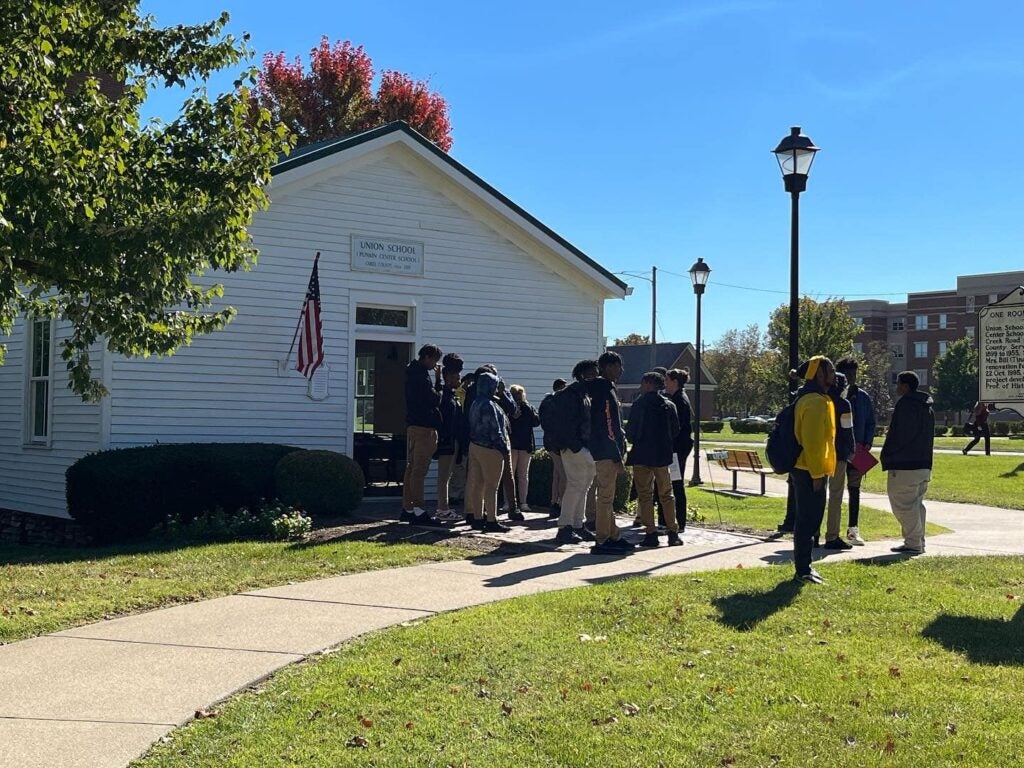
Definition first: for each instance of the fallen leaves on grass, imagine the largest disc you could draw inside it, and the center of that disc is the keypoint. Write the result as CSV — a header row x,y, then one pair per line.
x,y
894,672
357,741
206,714
585,638
366,722
610,720
630,710
506,708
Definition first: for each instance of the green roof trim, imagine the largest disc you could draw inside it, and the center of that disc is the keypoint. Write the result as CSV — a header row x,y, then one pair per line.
x,y
314,152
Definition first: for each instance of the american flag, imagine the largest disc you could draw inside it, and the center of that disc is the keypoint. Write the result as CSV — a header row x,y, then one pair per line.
x,y
311,343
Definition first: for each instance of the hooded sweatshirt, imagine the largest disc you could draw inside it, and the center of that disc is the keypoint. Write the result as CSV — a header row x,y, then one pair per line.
x,y
911,435
815,426
486,420
422,401
607,440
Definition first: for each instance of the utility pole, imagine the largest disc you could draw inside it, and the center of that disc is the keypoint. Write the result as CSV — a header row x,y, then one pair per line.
x,y
654,318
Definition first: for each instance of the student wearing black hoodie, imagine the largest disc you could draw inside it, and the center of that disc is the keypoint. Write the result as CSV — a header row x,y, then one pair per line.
x,y
907,458
422,419
675,380
448,448
607,446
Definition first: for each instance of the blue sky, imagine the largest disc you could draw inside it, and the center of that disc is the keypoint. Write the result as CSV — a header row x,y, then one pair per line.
x,y
642,133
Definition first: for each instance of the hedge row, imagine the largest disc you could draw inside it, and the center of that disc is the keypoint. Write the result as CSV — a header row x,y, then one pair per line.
x,y
123,494
541,470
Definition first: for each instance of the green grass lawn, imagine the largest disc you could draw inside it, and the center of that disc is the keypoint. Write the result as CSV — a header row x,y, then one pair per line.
x,y
999,444
44,590
996,481
911,663
764,513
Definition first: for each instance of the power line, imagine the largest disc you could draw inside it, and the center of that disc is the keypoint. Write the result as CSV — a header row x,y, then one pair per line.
x,y
771,290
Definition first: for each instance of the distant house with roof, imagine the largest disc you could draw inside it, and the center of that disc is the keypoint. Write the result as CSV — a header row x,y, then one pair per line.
x,y
637,360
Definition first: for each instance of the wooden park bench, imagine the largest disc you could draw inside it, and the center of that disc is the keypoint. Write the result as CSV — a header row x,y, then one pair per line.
x,y
744,461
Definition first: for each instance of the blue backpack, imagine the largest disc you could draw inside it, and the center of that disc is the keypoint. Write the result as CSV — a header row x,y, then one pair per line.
x,y
781,448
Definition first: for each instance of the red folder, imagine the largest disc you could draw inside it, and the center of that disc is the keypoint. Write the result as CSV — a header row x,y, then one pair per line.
x,y
862,459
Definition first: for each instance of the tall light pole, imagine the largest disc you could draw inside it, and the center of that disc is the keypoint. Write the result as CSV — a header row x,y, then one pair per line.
x,y
795,154
699,274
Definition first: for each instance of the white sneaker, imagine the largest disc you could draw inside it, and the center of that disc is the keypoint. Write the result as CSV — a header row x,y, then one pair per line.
x,y
853,537
524,508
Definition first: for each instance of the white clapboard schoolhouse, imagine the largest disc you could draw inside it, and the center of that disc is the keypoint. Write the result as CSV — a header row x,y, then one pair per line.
x,y
415,248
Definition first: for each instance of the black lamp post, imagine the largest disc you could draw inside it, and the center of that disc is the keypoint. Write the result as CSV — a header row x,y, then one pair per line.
x,y
795,154
699,274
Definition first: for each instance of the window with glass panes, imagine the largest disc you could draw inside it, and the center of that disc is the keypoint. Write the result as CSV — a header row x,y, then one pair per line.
x,y
39,380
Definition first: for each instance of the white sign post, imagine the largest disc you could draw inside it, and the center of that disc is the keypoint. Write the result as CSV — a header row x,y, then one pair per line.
x,y
395,257
1001,357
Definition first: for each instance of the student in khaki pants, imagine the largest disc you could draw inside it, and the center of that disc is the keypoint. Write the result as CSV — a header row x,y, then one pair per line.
x,y
448,448
607,446
652,429
489,445
423,419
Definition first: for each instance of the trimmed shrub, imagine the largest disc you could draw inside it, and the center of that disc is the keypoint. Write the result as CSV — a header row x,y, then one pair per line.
x,y
712,426
271,520
124,494
957,431
1017,427
1000,428
940,430
321,483
541,470
750,426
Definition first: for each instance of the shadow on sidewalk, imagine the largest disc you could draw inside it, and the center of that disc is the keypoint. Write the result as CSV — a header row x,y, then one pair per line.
x,y
582,560
982,641
743,611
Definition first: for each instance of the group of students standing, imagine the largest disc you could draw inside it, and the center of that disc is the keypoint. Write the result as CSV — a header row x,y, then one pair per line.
x,y
830,425
477,420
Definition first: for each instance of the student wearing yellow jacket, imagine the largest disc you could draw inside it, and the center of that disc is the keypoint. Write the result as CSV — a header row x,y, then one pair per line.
x,y
815,427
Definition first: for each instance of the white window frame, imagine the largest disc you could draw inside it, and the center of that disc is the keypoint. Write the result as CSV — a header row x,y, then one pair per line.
x,y
969,332
410,308
920,322
943,347
858,347
970,304
32,382
922,376
897,325
943,322
917,347
897,351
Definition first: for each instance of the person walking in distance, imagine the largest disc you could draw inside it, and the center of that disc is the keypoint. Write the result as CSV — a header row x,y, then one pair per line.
x,y
863,437
815,430
570,423
845,447
557,470
449,451
675,380
652,429
488,449
979,421
608,446
422,419
524,444
907,460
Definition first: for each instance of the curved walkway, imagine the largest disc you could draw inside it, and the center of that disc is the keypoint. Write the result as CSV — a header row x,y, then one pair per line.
x,y
100,695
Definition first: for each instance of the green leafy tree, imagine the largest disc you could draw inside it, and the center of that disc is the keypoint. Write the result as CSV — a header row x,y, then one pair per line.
x,y
955,377
741,363
632,339
106,220
874,376
826,328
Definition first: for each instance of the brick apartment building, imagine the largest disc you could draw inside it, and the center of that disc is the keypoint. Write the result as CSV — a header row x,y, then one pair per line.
x,y
918,330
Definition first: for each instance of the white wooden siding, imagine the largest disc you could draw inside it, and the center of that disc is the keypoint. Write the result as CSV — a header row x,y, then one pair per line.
x,y
480,295
32,477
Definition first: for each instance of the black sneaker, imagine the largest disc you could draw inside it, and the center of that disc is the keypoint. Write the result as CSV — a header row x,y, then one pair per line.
x,y
555,512
811,577
583,534
406,517
650,540
493,526
837,543
674,540
608,548
784,529
516,515
476,523
906,550
590,525
622,545
566,535
469,520
428,521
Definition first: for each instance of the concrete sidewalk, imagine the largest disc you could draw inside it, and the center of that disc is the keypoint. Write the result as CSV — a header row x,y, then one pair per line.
x,y
100,695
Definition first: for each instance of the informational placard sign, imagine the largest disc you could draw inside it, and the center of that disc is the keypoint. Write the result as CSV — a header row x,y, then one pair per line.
x,y
1001,357
318,387
378,254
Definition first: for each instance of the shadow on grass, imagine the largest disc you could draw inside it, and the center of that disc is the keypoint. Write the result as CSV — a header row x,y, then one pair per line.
x,y
30,554
1015,471
982,641
743,611
882,561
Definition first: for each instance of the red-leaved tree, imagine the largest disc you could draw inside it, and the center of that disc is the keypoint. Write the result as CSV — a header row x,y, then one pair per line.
x,y
335,98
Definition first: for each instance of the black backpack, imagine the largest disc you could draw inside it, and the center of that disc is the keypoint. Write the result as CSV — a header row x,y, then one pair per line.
x,y
781,448
559,418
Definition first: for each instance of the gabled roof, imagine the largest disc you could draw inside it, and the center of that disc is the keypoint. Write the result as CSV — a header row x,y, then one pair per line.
x,y
314,152
636,361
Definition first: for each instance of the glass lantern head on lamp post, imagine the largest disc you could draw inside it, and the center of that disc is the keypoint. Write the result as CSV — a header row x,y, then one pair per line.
x,y
699,274
795,154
